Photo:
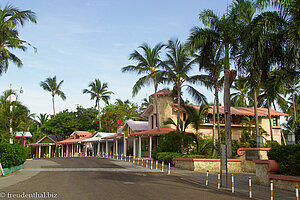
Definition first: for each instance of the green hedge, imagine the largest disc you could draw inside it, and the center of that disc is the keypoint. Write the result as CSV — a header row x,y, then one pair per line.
x,y
288,157
12,154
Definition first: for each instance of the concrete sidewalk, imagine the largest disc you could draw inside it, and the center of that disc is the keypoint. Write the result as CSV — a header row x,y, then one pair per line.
x,y
21,175
241,184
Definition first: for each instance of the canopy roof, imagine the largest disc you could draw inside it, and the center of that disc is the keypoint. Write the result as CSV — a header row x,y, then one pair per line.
x,y
136,125
23,134
161,131
76,137
98,137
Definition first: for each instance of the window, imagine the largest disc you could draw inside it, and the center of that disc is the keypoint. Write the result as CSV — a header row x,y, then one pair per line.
x,y
275,121
184,117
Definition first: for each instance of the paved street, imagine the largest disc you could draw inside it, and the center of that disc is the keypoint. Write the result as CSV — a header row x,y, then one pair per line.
x,y
98,178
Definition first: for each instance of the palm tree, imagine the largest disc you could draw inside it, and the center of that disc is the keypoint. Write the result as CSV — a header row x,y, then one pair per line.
x,y
43,118
51,85
196,118
271,88
99,92
239,98
177,68
225,33
292,87
210,60
10,19
148,63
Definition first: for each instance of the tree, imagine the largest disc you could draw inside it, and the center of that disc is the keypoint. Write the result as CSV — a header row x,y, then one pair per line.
x,y
240,97
51,86
225,33
196,118
114,112
147,63
66,122
177,68
206,42
292,87
10,19
98,91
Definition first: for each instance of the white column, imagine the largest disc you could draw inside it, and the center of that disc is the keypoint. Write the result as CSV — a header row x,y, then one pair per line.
x,y
102,150
106,147
77,150
140,147
49,151
67,150
40,149
116,147
124,146
98,145
150,147
62,151
134,146
85,150
72,151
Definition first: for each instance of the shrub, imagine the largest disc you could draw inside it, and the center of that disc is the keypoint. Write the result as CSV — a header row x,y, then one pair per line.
x,y
288,157
167,157
12,154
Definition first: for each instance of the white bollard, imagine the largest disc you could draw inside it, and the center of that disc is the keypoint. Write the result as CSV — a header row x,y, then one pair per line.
x,y
169,172
250,187
156,166
162,166
147,163
151,164
142,162
232,183
297,192
206,180
271,190
219,180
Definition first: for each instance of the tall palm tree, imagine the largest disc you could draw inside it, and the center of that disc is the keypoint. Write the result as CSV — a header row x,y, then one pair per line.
x,y
148,63
225,33
10,19
177,68
99,92
271,90
50,85
205,41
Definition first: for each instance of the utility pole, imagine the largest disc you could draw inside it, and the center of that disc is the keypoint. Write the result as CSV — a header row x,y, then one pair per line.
x,y
11,141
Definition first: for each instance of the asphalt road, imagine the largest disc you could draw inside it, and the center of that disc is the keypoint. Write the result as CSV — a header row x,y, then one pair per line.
x,y
98,178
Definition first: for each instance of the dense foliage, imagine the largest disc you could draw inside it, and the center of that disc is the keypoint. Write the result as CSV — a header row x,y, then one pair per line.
x,y
288,157
118,111
66,122
12,155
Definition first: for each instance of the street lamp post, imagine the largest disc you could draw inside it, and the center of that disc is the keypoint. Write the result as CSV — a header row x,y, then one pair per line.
x,y
11,141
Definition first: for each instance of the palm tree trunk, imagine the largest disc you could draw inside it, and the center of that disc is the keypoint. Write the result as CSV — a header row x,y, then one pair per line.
x,y
227,112
156,105
294,107
270,121
214,126
256,115
178,116
53,105
218,120
98,102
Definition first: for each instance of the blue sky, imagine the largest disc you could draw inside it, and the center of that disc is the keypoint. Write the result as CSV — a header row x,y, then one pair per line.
x,y
80,40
